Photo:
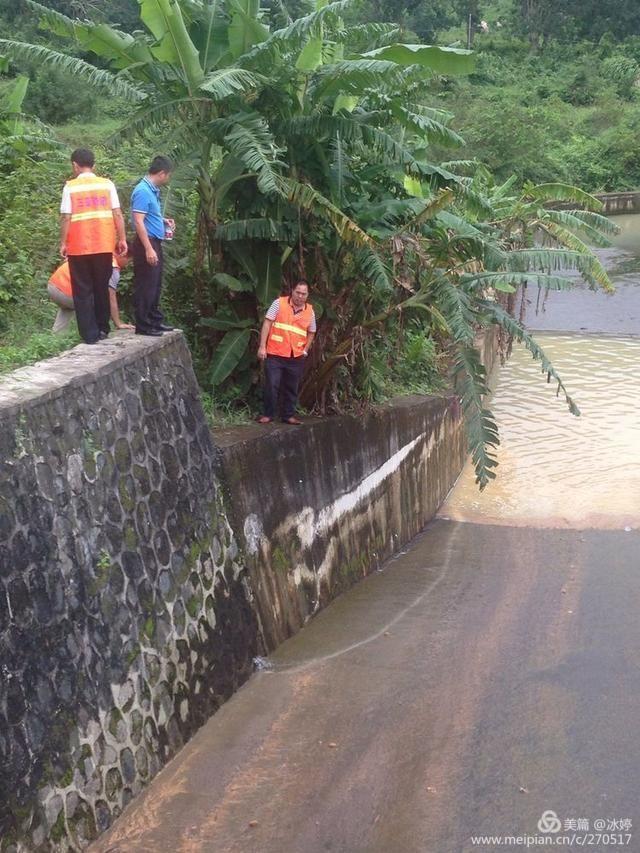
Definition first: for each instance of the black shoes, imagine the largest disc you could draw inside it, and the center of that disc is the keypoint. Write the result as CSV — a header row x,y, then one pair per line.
x,y
155,333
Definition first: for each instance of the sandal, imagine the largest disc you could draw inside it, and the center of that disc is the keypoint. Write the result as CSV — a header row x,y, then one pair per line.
x,y
293,421
264,420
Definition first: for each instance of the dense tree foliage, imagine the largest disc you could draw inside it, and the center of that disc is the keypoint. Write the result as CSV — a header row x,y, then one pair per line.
x,y
568,20
316,146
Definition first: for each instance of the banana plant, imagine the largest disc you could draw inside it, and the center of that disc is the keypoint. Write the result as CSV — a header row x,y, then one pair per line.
x,y
20,136
310,146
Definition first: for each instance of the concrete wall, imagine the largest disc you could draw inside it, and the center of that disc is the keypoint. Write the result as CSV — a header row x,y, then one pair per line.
x,y
613,203
319,507
125,614
616,203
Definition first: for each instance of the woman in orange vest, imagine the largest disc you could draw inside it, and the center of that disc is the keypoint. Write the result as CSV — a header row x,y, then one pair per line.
x,y
59,289
285,340
91,228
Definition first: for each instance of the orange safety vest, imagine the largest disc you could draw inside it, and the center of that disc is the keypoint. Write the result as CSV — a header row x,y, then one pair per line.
x,y
289,331
92,229
61,278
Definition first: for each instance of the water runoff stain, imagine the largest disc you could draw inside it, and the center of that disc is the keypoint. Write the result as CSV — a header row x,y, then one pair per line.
x,y
556,470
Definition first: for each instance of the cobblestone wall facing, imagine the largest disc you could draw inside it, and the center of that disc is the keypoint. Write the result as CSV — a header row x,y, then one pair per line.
x,y
125,613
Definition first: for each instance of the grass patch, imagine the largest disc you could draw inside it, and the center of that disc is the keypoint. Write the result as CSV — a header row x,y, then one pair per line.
x,y
36,347
225,414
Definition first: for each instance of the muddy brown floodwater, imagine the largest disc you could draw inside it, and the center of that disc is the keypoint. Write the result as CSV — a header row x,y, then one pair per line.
x,y
556,470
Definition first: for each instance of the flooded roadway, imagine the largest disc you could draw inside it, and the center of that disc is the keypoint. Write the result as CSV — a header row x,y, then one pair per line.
x,y
489,674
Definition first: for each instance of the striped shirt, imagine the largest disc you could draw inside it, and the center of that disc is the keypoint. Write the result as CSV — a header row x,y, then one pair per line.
x,y
272,314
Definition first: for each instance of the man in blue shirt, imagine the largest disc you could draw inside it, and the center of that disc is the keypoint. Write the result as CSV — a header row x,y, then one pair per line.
x,y
151,229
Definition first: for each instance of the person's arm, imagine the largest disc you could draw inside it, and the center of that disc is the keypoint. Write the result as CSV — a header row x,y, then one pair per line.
x,y
310,337
264,337
269,320
141,231
65,221
311,333
121,233
118,218
115,312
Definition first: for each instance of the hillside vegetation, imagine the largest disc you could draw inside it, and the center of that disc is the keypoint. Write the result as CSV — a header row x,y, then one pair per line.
x,y
359,144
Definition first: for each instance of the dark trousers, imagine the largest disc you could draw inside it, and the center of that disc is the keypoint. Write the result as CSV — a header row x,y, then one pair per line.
x,y
282,376
90,276
147,284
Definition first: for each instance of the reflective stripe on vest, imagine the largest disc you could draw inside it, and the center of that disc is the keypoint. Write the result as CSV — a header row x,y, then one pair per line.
x,y
289,331
289,328
92,230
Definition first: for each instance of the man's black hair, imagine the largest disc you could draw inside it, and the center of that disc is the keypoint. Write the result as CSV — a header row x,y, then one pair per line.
x,y
83,157
160,164
301,281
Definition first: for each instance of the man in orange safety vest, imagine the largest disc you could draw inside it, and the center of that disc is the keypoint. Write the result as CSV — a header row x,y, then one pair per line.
x,y
59,289
91,227
285,340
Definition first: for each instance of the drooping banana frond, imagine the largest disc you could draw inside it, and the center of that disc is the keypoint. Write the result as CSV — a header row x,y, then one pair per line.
x,y
470,379
456,305
479,241
508,282
567,220
251,142
104,81
363,36
375,269
225,82
515,329
28,143
122,50
586,262
462,167
354,129
473,201
480,425
562,192
55,22
596,220
290,37
352,77
308,198
389,214
541,258
431,209
302,27
429,129
147,120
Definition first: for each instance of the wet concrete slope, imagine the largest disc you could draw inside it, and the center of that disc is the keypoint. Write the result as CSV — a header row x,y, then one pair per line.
x,y
487,675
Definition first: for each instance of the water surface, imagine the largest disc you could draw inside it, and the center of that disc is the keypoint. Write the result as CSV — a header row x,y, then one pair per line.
x,y
557,470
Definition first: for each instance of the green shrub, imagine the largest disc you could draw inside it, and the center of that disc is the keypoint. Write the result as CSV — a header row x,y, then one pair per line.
x,y
55,97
